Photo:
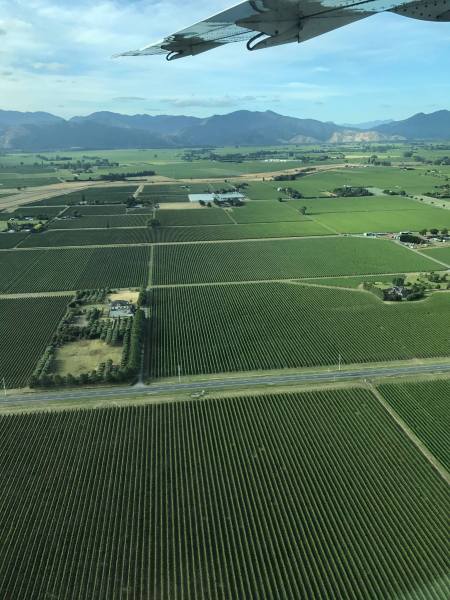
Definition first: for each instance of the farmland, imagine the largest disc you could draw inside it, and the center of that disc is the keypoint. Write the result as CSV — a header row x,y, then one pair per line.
x,y
442,254
424,406
10,240
282,259
204,216
265,212
293,496
37,212
100,195
26,324
281,325
97,209
417,181
390,221
171,235
176,489
102,222
49,270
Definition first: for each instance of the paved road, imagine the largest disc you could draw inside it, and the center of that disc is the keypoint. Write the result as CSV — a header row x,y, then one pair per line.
x,y
230,382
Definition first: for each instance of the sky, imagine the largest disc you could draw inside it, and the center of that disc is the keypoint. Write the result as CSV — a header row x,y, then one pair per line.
x,y
55,56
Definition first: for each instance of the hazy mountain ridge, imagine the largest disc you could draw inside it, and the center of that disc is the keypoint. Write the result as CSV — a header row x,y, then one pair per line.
x,y
107,130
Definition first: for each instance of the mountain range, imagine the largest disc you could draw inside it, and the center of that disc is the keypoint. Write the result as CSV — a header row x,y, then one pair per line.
x,y
40,131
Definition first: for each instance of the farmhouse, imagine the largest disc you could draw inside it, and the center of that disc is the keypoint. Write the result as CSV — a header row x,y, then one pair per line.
x,y
397,292
121,308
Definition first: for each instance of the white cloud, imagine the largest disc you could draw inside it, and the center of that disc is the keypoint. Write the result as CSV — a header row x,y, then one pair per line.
x,y
48,66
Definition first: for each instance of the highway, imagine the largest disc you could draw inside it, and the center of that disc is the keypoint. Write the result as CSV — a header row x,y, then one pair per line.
x,y
211,385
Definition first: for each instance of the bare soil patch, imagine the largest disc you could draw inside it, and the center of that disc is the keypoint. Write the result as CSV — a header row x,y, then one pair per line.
x,y
85,356
128,295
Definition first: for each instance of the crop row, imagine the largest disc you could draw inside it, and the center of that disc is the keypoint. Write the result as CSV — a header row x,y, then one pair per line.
x,y
215,329
280,259
97,209
73,269
103,195
10,240
313,495
425,407
169,235
100,221
188,217
26,327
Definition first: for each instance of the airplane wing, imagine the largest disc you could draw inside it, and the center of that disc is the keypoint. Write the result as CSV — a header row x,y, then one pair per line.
x,y
266,23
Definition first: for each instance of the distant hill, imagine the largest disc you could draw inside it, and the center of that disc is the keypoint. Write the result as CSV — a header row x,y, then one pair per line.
x,y
368,124
39,131
434,126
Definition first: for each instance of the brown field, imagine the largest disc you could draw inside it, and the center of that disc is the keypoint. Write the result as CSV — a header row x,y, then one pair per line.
x,y
85,356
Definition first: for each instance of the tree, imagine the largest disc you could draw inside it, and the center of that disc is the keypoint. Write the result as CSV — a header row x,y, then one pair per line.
x,y
399,281
434,231
423,232
303,210
154,223
444,231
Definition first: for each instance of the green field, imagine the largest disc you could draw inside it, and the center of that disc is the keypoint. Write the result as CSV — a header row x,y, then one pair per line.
x,y
36,212
169,235
442,254
386,221
281,259
58,270
98,221
26,327
313,495
425,407
318,206
392,178
216,329
266,212
97,209
10,240
100,195
12,181
193,217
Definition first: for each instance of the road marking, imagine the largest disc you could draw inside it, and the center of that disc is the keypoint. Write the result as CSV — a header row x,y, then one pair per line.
x,y
232,382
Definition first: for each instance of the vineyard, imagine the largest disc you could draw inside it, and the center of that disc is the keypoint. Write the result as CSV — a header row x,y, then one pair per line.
x,y
424,406
10,240
189,217
170,235
100,221
164,193
215,329
72,269
100,195
26,327
283,259
393,221
442,254
37,212
313,495
362,204
97,209
266,212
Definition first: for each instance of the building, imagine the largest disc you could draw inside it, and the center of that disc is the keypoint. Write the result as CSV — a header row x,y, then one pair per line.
x,y
227,199
121,308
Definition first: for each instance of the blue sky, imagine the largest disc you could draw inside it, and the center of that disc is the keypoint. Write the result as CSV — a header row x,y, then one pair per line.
x,y
55,56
